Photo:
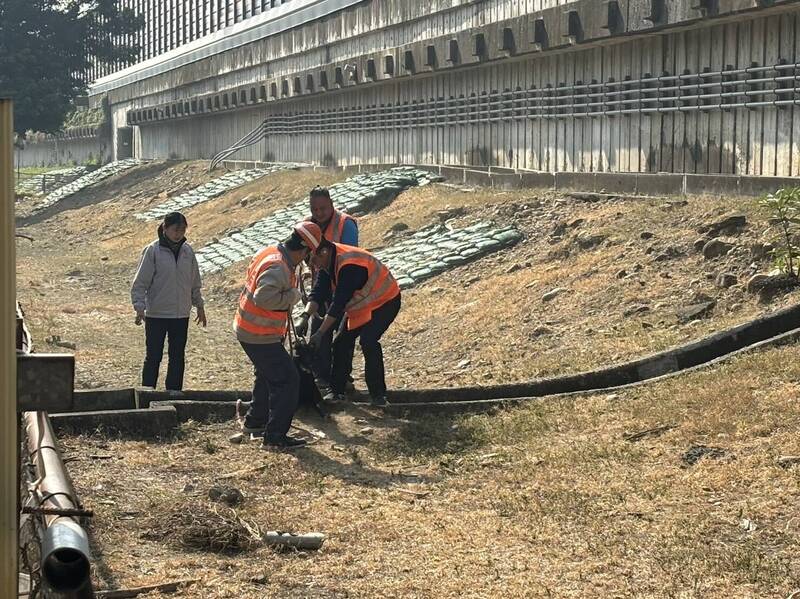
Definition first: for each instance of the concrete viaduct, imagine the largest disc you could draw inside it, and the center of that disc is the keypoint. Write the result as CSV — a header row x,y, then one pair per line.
x,y
551,86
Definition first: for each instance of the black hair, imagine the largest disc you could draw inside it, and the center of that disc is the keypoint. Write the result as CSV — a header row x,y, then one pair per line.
x,y
294,242
175,218
320,192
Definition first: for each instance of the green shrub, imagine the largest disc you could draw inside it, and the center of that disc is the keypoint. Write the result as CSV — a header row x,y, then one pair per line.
x,y
784,208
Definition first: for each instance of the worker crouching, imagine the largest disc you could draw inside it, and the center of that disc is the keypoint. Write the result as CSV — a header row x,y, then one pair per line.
x,y
356,285
261,324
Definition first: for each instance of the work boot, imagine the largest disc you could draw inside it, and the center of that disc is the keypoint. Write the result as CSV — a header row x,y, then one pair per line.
x,y
253,428
286,442
323,386
378,401
334,397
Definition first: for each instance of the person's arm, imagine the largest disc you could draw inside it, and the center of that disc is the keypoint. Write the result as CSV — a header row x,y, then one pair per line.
x,y
197,294
350,232
142,281
352,277
320,294
274,290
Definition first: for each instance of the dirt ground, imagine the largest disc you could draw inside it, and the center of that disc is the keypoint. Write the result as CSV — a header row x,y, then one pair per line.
x,y
552,499
544,500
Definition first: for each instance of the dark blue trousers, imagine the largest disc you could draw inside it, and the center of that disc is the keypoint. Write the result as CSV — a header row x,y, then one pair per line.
x,y
275,390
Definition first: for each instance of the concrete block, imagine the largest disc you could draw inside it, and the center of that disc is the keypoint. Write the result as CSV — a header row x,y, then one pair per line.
x,y
758,186
104,399
452,174
538,180
140,424
577,181
722,185
199,411
45,382
615,182
506,181
659,184
501,170
478,178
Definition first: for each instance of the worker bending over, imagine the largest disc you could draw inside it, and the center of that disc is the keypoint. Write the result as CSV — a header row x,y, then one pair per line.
x,y
360,287
338,227
261,323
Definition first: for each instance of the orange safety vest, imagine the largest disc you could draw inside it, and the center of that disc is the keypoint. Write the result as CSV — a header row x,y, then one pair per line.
x,y
249,317
333,232
378,290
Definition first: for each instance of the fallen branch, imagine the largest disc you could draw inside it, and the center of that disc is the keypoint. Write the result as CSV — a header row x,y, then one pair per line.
x,y
167,587
651,432
418,494
23,236
242,472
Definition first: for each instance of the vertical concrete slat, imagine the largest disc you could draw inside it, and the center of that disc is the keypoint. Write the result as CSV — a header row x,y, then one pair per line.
x,y
756,116
783,150
728,132
682,63
699,151
564,124
716,63
551,123
742,132
610,139
772,54
667,145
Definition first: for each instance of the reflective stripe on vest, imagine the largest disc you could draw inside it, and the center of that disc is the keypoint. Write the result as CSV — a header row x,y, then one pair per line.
x,y
251,318
379,288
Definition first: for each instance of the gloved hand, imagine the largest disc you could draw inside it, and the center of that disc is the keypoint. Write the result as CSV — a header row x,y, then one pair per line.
x,y
315,341
301,325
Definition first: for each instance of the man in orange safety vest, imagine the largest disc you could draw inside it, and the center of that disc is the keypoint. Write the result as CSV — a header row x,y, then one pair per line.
x,y
360,287
261,323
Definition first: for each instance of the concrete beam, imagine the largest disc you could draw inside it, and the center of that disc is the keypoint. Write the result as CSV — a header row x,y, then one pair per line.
x,y
104,399
199,411
153,423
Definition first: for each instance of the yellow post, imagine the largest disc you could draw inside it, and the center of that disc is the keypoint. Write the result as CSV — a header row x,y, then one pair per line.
x,y
9,485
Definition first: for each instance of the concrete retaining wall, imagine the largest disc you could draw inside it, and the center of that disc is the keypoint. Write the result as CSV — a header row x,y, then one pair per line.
x,y
630,86
54,152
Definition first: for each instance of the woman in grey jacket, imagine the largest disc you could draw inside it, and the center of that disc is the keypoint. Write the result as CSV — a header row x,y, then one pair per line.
x,y
166,286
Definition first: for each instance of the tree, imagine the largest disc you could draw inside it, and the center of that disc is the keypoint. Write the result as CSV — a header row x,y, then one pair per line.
x,y
47,47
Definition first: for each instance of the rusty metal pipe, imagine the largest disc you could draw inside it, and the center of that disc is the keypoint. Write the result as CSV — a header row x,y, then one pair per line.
x,y
65,545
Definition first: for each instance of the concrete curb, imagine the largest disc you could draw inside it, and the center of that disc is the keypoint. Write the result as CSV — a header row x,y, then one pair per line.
x,y
199,411
487,405
673,360
145,396
139,424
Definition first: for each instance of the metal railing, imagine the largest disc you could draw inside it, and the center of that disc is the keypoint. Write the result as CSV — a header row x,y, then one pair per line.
x,y
744,88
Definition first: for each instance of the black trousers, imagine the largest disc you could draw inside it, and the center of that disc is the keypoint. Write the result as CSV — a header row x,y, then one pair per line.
x,y
275,391
322,357
155,331
369,336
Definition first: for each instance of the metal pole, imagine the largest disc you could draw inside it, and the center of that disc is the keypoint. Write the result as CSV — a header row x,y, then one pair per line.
x,y
65,545
9,487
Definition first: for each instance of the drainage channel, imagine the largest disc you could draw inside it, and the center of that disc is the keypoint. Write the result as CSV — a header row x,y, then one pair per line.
x,y
779,328
157,413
